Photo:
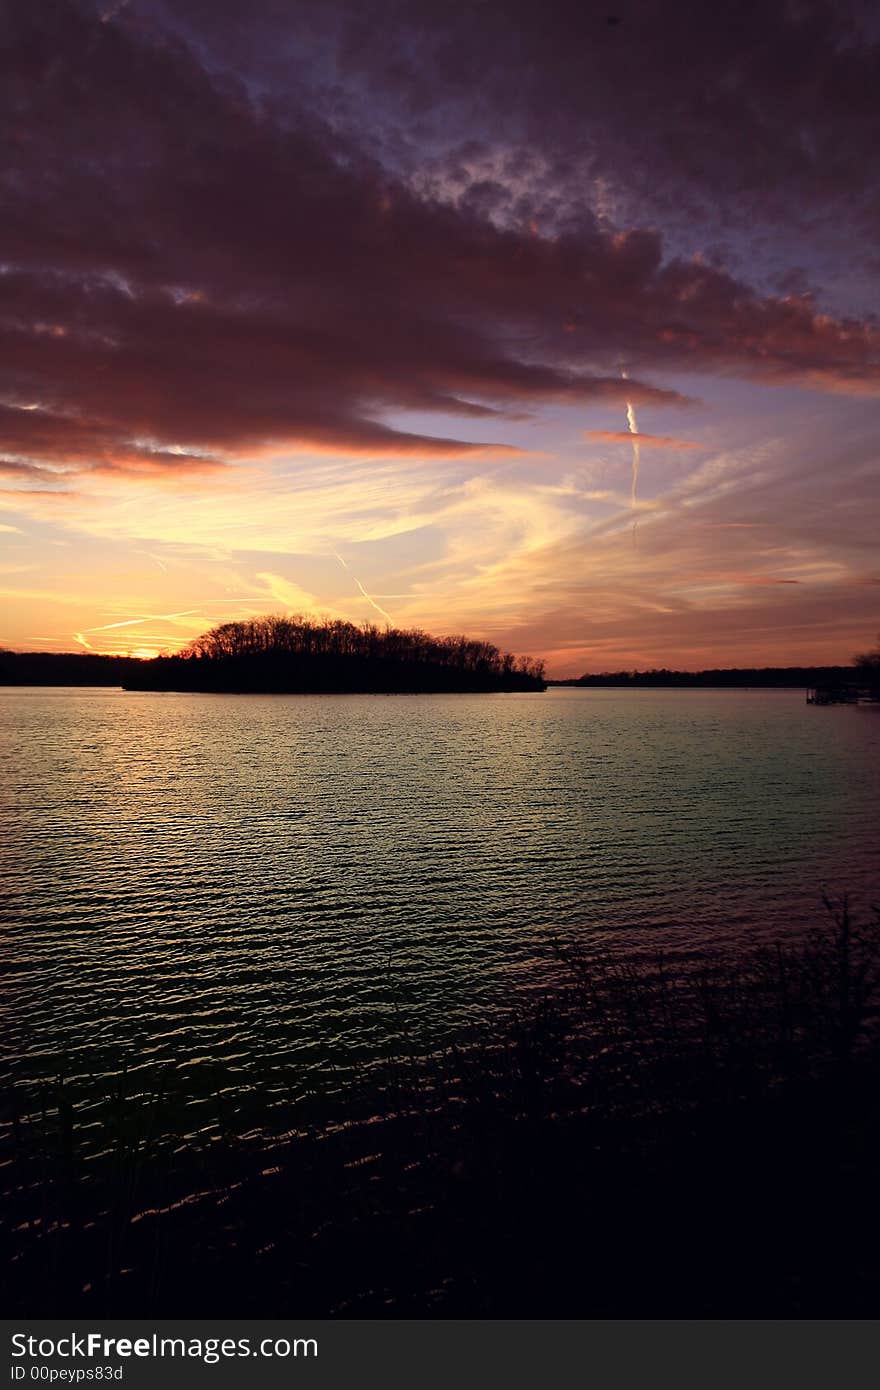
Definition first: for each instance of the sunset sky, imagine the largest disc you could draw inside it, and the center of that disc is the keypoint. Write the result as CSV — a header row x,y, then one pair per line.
x,y
352,309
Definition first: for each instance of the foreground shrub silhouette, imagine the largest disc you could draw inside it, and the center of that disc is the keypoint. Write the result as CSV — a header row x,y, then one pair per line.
x,y
287,653
697,1136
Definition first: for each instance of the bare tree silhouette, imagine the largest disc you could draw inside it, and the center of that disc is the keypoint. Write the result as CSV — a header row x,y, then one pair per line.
x,y
293,653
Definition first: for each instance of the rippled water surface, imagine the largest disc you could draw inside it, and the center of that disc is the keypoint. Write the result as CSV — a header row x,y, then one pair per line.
x,y
278,887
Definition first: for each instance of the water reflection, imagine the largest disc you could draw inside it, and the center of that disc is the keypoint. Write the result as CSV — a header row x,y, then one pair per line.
x,y
262,894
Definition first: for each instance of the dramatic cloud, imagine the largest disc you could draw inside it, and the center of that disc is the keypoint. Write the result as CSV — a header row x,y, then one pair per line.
x,y
336,305
721,124
191,275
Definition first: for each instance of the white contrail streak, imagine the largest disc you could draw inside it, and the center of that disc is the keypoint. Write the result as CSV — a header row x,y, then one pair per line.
x,y
378,607
633,424
148,618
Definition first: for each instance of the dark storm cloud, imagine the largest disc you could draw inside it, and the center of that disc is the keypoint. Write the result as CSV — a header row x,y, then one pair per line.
x,y
191,270
759,109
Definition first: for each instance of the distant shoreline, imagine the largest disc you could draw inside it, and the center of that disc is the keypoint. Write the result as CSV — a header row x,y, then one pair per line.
x,y
672,685
720,678
231,690
133,673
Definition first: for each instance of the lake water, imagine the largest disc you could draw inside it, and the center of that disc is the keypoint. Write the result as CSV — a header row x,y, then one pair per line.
x,y
274,891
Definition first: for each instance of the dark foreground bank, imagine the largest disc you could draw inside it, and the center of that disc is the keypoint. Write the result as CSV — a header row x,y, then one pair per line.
x,y
697,1139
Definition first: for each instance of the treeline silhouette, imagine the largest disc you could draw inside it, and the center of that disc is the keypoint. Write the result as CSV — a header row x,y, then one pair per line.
x,y
295,654
66,668
867,667
761,676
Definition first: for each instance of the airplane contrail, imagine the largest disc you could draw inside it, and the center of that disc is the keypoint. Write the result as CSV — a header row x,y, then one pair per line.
x,y
149,617
633,424
378,607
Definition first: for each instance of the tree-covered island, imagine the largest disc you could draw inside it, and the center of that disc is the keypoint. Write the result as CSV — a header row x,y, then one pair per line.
x,y
289,654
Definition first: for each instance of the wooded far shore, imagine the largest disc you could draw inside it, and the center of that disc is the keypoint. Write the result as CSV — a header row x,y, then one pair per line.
x,y
94,669
289,653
